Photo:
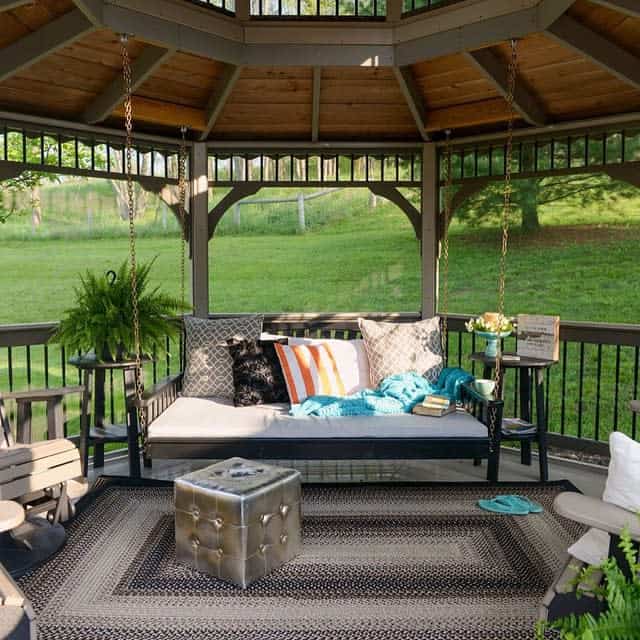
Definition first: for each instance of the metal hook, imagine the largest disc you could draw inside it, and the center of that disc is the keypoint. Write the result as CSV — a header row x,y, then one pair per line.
x,y
111,277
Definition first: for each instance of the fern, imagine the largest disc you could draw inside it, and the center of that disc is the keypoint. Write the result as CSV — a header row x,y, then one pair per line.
x,y
102,317
621,620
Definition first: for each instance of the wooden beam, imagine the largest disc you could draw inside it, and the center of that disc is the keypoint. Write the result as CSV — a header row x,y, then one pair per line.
x,y
600,50
219,97
8,5
142,68
165,113
628,7
625,173
92,10
43,42
393,195
236,194
496,71
315,108
413,97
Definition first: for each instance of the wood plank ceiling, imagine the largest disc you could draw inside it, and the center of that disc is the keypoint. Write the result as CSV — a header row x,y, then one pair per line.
x,y
355,103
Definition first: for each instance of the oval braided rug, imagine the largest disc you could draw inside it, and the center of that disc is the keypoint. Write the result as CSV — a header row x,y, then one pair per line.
x,y
379,562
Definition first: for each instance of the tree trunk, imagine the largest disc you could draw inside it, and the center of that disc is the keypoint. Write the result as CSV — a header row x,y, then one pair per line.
x,y
36,208
528,192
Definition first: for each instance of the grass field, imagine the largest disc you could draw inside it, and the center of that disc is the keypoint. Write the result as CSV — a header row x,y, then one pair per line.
x,y
582,265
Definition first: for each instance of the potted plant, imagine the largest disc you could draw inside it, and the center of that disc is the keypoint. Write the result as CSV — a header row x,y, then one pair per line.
x,y
492,327
102,319
620,594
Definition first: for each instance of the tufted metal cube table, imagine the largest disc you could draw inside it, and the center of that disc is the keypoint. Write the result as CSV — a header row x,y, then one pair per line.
x,y
238,520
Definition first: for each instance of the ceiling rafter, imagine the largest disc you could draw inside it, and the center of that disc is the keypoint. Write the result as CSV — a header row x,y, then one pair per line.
x,y
628,7
92,10
142,68
413,97
315,104
600,50
221,92
495,70
8,5
33,47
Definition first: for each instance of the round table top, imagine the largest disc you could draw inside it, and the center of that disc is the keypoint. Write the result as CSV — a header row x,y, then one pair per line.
x,y
91,362
11,515
510,362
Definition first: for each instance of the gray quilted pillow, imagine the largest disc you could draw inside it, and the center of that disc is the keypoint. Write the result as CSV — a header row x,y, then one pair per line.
x,y
208,370
399,348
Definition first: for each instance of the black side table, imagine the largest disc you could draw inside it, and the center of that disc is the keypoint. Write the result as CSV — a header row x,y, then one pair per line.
x,y
93,428
529,368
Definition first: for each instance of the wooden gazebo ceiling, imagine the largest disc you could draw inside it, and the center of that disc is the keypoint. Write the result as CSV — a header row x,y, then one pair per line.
x,y
558,82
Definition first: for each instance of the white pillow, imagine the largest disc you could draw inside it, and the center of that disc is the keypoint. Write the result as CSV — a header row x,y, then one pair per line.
x,y
351,360
623,481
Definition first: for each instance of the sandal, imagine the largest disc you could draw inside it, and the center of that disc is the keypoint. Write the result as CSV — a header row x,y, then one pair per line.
x,y
504,505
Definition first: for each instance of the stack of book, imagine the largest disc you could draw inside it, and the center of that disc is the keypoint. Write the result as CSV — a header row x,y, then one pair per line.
x,y
517,427
435,405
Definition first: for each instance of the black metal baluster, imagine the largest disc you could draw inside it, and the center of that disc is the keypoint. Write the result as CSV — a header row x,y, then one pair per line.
x,y
564,387
634,415
617,390
10,365
28,352
46,366
112,404
581,389
598,385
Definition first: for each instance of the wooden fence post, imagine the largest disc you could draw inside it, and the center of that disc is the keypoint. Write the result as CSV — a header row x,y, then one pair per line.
x,y
301,219
430,239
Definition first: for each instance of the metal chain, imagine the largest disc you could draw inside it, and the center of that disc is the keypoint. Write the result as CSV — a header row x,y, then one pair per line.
x,y
182,197
128,118
445,243
506,216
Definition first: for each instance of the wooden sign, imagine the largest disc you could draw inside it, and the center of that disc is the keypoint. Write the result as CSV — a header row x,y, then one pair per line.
x,y
539,337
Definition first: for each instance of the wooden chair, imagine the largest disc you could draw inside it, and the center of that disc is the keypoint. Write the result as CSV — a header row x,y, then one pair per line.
x,y
17,618
560,600
35,478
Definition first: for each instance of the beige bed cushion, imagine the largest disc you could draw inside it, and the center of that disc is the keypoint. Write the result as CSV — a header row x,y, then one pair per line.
x,y
200,419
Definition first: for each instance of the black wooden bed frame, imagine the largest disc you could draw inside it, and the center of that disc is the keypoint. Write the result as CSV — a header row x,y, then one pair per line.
x,y
487,410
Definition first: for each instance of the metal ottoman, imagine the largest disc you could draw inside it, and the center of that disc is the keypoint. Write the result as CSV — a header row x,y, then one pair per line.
x,y
238,520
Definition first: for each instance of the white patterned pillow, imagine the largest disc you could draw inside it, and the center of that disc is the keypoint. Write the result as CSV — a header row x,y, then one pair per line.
x,y
208,370
402,347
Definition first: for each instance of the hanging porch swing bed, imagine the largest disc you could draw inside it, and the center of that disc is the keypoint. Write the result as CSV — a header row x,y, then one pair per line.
x,y
175,422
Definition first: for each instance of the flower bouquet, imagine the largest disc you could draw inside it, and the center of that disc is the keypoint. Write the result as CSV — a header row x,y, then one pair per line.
x,y
492,327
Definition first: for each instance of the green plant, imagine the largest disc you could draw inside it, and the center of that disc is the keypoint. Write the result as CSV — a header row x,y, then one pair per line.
x,y
621,620
102,318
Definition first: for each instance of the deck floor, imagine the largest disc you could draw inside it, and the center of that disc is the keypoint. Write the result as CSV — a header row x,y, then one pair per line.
x,y
588,478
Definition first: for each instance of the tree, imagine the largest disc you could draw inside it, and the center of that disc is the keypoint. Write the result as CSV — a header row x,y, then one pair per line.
x,y
27,182
530,195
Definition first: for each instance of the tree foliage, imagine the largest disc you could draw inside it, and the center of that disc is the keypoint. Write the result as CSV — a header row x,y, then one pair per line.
x,y
530,195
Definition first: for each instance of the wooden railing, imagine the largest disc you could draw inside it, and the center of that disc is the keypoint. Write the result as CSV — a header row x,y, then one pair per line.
x,y
587,392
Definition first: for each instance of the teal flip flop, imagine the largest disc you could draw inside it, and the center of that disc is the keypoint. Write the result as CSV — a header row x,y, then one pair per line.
x,y
533,507
504,505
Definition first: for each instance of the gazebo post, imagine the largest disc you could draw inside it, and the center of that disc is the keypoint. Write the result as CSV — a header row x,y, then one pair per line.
x,y
199,210
430,240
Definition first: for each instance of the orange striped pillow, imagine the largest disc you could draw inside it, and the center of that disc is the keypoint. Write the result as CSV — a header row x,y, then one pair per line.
x,y
309,370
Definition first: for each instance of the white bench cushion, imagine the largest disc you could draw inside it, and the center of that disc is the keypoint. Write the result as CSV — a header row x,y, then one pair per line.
x,y
203,419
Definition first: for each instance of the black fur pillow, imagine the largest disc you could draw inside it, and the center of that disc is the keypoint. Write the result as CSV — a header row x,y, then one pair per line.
x,y
257,374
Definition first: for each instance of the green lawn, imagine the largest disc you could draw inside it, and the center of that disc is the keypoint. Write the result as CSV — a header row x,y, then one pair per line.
x,y
582,265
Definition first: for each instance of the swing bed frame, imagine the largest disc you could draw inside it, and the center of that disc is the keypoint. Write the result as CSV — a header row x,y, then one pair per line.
x,y
487,410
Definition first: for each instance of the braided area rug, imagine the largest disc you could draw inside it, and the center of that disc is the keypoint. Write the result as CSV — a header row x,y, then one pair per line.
x,y
379,562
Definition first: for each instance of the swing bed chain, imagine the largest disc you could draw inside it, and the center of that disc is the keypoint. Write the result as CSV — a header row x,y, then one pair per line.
x,y
505,219
128,117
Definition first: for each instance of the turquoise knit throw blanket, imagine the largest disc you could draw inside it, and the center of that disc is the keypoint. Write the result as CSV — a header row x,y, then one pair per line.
x,y
396,394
